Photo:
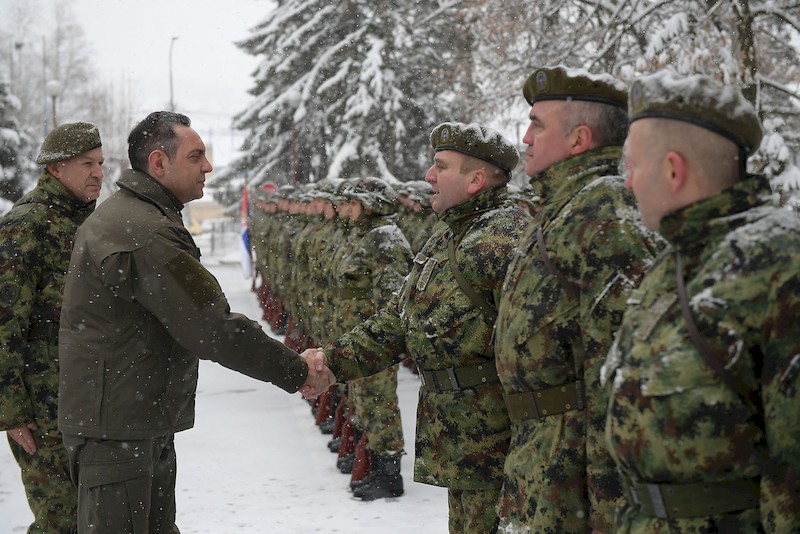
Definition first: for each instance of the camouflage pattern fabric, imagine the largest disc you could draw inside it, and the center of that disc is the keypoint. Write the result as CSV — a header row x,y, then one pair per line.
x,y
462,436
36,239
369,269
671,419
472,511
558,477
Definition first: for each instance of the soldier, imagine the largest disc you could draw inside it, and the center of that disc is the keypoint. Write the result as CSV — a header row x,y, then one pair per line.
x,y
138,311
416,218
703,377
369,270
444,318
36,241
562,300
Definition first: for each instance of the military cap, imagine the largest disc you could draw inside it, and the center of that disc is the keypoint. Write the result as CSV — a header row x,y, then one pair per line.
x,y
477,141
419,191
286,191
374,194
67,141
563,83
327,188
698,100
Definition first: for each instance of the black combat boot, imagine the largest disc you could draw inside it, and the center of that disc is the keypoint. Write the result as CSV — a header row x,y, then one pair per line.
x,y
385,479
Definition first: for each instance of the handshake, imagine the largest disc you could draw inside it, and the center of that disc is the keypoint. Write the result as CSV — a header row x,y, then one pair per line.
x,y
320,377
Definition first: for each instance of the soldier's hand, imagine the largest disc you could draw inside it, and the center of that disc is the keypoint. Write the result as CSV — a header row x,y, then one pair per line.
x,y
24,437
320,377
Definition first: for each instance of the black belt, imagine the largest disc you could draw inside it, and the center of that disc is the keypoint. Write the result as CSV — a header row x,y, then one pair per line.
x,y
699,499
456,378
545,402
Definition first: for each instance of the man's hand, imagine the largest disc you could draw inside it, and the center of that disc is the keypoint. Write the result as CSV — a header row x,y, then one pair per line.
x,y
320,378
24,436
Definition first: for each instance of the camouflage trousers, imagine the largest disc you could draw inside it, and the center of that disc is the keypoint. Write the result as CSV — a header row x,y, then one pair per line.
x,y
374,401
124,487
50,492
472,511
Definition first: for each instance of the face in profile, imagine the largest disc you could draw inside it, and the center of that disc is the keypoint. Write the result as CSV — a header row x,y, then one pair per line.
x,y
82,175
185,173
449,185
547,142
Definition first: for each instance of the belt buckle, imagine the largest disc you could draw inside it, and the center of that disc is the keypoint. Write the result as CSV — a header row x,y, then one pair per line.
x,y
654,492
451,375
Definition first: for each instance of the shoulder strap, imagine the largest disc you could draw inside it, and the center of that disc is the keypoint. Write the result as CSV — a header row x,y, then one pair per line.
x,y
578,351
568,287
489,313
731,380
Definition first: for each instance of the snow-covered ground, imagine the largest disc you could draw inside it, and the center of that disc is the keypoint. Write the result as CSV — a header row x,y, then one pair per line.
x,y
256,463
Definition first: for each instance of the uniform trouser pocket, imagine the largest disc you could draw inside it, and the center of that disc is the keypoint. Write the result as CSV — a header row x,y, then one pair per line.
x,y
125,486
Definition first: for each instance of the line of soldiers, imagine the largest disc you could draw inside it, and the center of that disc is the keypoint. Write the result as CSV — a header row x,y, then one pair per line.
x,y
625,361
331,255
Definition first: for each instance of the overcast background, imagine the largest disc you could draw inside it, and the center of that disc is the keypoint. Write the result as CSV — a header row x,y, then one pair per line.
x,y
130,40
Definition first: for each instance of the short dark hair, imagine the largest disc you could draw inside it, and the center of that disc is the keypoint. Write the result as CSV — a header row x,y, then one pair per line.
x,y
609,124
155,132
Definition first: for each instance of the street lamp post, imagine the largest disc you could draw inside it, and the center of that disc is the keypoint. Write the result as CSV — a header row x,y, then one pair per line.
x,y
54,91
171,100
294,98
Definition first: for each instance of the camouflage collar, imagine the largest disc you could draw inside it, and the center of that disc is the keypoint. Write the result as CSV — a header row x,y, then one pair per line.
x,y
706,219
557,184
456,216
51,192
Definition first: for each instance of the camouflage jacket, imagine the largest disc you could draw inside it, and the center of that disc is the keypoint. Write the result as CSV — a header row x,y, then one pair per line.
x,y
36,239
462,436
369,269
558,475
671,418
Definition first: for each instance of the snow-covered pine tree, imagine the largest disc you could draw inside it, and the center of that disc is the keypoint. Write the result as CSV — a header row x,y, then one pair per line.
x,y
752,44
17,170
359,83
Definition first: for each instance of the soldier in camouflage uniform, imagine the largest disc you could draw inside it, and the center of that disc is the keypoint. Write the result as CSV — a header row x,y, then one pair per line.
x,y
562,300
415,217
443,318
36,239
369,270
704,415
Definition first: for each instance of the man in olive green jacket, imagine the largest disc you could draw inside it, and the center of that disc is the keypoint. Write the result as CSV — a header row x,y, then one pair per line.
x,y
139,310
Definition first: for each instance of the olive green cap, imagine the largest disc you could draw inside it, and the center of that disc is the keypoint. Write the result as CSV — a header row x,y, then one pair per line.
x,y
698,100
67,141
563,83
477,141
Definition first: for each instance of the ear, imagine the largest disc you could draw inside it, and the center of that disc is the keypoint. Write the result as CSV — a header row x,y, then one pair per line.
x,y
476,181
156,163
54,169
676,169
580,140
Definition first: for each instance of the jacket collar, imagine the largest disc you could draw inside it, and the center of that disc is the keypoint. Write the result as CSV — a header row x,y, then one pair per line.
x,y
560,182
51,192
457,216
704,221
150,190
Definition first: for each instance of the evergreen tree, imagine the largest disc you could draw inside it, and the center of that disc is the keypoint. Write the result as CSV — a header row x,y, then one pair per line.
x,y
17,171
742,42
347,88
